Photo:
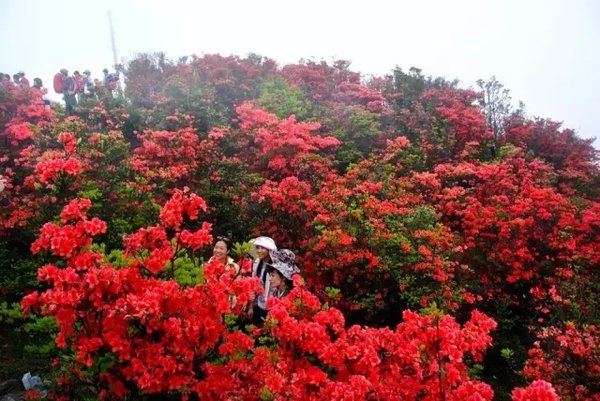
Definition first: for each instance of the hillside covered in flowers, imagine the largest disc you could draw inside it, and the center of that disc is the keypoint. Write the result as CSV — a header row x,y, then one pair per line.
x,y
447,251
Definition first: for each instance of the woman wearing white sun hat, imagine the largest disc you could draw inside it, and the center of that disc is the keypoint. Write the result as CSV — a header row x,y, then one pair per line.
x,y
261,248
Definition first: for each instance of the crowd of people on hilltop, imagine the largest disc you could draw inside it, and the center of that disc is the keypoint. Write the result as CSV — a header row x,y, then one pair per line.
x,y
20,80
74,88
78,87
274,268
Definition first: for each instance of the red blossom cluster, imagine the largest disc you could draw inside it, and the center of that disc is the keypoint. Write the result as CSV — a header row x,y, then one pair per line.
x,y
465,121
317,357
573,158
167,155
153,245
281,144
68,140
508,214
19,133
539,390
181,206
48,171
68,239
569,357
156,329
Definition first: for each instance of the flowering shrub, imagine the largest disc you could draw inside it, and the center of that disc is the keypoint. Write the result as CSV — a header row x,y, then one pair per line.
x,y
393,195
134,314
131,331
538,390
166,156
569,357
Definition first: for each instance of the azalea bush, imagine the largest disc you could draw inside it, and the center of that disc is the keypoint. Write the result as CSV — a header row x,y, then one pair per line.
x,y
133,329
570,357
439,260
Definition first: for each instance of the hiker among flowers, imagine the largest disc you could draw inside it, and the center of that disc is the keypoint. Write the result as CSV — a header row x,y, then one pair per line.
x,y
78,85
221,250
68,87
281,271
87,84
23,81
261,248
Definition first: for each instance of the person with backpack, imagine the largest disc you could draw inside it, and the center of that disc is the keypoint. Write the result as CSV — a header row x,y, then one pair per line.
x,y
68,87
105,76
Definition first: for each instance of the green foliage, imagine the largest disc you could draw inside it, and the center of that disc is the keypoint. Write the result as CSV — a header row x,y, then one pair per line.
x,y
241,249
507,150
359,132
506,358
26,342
115,257
433,310
421,218
193,99
266,395
105,361
230,321
188,271
398,253
90,191
507,353
411,85
277,97
41,331
475,370
18,268
235,184
9,315
332,292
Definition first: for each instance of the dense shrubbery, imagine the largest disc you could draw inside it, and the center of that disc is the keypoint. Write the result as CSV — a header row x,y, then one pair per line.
x,y
394,193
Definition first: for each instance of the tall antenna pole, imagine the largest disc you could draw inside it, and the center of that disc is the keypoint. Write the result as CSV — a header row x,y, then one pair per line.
x,y
112,38
114,47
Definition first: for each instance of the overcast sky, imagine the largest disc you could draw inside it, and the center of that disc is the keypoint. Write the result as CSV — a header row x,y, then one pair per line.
x,y
547,52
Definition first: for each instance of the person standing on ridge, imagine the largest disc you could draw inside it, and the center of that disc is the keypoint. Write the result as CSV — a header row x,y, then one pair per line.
x,y
23,80
68,91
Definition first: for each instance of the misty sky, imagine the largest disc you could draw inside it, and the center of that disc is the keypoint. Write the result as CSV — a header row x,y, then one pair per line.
x,y
547,52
